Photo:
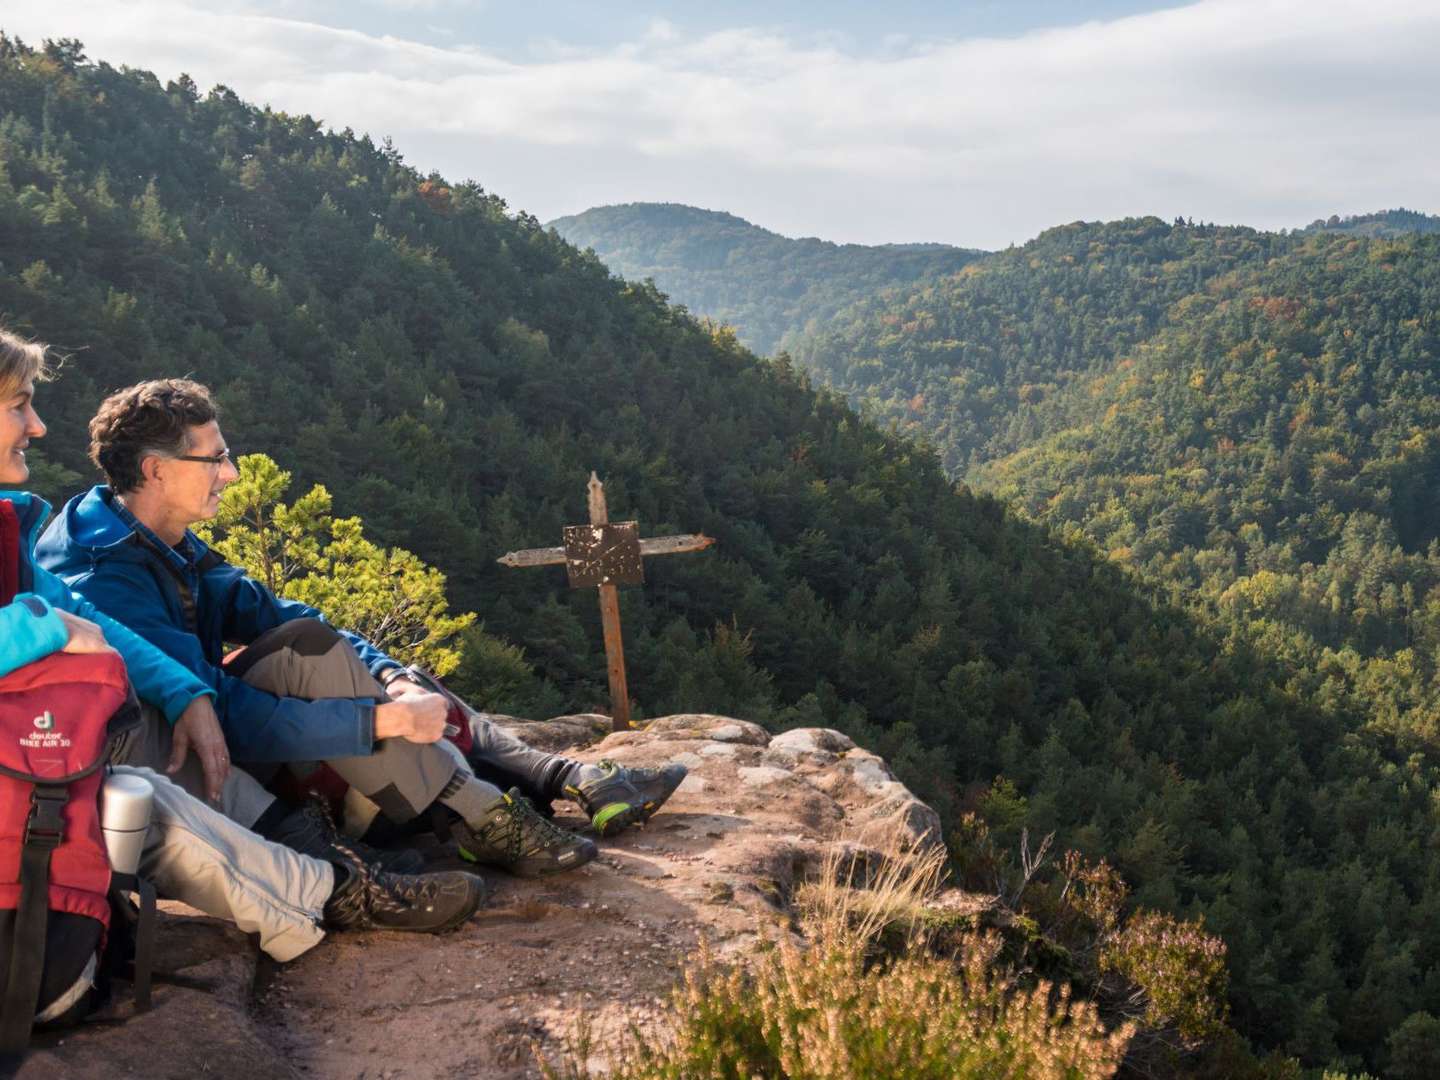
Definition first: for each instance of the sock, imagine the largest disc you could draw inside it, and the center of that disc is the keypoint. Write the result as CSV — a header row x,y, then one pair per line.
x,y
568,774
268,822
577,772
469,797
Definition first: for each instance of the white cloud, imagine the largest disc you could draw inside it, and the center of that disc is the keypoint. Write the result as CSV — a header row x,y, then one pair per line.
x,y
1266,111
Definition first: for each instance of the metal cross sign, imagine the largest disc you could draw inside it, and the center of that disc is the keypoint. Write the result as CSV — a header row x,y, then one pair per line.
x,y
608,554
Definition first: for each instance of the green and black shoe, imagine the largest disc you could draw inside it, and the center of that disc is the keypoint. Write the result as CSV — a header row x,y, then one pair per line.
x,y
615,797
514,836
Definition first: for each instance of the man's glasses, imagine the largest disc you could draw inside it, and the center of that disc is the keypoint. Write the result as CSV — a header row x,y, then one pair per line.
x,y
222,458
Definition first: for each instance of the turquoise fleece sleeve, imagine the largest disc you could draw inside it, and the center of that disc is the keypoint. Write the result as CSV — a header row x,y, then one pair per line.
x,y
29,629
159,680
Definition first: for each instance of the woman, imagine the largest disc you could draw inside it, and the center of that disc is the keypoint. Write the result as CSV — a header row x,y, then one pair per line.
x,y
44,615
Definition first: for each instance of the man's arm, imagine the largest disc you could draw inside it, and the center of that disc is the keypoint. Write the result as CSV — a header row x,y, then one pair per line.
x,y
251,609
258,726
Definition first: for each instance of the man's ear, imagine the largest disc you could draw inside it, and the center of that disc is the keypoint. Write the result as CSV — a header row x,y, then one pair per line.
x,y
150,466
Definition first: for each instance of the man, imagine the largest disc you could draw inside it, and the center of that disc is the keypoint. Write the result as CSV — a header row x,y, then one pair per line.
x,y
191,852
302,692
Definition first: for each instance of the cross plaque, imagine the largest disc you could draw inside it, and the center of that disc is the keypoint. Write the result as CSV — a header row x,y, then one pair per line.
x,y
607,554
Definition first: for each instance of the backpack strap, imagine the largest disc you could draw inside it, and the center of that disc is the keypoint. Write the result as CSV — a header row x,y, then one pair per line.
x,y
144,944
142,975
44,829
9,551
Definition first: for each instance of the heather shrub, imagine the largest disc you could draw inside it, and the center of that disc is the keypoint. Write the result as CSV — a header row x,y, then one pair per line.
x,y
822,1014
1177,967
839,1008
1165,974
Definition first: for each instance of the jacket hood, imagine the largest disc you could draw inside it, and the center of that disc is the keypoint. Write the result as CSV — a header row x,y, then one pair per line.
x,y
86,530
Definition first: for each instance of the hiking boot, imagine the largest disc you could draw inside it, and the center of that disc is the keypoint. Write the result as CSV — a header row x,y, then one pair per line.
x,y
366,898
311,831
512,834
615,797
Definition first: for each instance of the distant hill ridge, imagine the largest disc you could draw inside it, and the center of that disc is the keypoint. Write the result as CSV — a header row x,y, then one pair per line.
x,y
666,215
771,288
1249,415
1398,222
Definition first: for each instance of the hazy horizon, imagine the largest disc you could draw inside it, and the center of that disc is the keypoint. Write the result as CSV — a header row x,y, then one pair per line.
x,y
974,124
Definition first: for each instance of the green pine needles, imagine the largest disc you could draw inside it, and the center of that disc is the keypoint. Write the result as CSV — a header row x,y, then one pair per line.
x,y
300,551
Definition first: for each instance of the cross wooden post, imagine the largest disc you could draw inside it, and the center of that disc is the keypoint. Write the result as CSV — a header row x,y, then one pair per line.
x,y
610,619
607,555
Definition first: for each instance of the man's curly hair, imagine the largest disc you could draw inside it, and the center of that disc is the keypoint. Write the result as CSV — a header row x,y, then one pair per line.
x,y
151,417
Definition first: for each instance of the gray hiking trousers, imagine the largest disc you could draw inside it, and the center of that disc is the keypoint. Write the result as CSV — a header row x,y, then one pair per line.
x,y
242,799
307,659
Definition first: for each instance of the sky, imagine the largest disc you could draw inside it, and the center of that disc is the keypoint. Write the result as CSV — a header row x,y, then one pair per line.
x,y
970,122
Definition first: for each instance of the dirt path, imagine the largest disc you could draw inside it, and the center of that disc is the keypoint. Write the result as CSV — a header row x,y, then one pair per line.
x,y
601,942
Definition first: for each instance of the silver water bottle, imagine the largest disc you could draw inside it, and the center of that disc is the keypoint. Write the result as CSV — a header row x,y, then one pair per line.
x,y
125,804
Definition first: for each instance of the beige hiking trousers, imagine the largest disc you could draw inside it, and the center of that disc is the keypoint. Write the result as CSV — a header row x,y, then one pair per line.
x,y
198,856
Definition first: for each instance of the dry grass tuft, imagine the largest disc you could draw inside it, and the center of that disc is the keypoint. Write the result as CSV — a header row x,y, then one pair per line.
x,y
855,901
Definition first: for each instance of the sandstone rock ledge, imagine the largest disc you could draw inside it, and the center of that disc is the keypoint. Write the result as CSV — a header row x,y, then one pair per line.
x,y
757,814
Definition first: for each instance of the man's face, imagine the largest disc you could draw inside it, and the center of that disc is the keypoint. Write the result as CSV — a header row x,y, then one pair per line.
x,y
192,489
18,425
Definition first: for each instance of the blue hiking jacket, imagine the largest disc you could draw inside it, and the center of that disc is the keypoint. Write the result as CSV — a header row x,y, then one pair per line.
x,y
191,603
30,627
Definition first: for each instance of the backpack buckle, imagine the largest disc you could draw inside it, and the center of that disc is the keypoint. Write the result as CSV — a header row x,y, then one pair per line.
x,y
45,825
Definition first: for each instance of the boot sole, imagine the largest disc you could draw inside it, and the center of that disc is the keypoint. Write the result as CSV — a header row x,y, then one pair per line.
x,y
533,868
618,816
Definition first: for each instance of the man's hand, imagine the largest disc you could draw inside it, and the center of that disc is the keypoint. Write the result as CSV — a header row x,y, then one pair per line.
x,y
85,636
417,717
403,686
198,729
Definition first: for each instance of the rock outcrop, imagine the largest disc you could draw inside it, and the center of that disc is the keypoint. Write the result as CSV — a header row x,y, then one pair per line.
x,y
757,814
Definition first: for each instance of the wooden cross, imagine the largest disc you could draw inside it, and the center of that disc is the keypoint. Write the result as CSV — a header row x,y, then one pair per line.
x,y
608,554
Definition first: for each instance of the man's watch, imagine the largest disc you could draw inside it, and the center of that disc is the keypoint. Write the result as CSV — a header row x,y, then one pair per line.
x,y
389,675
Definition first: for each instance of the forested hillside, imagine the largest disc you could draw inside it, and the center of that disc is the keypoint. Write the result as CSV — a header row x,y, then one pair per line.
x,y
1244,417
453,371
1273,449
768,287
979,363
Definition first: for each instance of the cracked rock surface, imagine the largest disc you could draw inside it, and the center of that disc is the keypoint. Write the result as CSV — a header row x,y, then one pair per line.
x,y
756,815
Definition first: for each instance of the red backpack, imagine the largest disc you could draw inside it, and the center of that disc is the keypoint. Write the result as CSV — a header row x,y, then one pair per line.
x,y
59,718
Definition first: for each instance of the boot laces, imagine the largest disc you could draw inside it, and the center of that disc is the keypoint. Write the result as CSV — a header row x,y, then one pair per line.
x,y
523,829
376,891
633,773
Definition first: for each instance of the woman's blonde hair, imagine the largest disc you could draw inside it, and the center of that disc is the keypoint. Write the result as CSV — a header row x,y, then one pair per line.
x,y
20,362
